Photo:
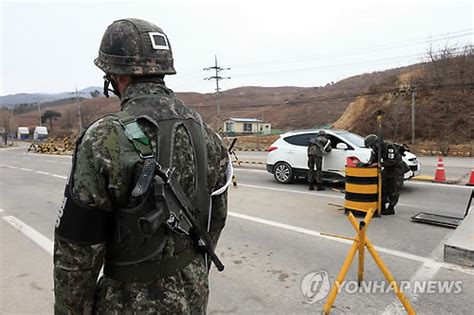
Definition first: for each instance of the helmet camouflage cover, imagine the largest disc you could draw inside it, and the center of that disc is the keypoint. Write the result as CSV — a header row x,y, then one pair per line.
x,y
135,47
371,140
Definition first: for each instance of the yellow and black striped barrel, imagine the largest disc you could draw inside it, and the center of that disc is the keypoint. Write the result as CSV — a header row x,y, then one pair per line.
x,y
361,188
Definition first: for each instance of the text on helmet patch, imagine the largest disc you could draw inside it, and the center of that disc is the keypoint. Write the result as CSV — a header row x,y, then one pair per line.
x,y
158,41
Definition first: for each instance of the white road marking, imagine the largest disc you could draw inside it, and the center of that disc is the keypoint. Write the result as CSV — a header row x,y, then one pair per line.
x,y
249,170
65,163
1,210
38,172
59,176
338,196
409,182
425,273
437,185
424,260
291,191
31,233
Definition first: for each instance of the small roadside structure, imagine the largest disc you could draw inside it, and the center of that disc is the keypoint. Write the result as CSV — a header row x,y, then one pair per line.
x,y
23,133
41,133
242,126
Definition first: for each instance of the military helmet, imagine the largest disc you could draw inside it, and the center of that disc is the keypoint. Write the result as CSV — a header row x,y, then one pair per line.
x,y
135,47
321,132
371,140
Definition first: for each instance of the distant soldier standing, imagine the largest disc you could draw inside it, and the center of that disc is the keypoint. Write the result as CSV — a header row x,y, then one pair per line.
x,y
147,192
316,149
393,169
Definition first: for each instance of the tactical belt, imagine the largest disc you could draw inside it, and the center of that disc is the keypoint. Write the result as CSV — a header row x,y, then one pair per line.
x,y
149,270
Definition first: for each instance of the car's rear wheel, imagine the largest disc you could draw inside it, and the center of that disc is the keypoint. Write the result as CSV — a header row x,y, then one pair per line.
x,y
283,173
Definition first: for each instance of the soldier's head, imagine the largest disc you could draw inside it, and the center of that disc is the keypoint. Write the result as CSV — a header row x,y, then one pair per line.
x,y
322,133
133,48
371,141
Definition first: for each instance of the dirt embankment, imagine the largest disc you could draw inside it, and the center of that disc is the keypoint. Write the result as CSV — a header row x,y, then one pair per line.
x,y
443,107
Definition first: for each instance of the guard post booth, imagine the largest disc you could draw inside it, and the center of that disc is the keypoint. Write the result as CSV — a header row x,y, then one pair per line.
x,y
362,188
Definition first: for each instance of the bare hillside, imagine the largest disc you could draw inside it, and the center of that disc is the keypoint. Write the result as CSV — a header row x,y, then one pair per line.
x,y
443,102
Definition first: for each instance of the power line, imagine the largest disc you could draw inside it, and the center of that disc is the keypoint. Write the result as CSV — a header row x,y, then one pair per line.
x,y
397,58
218,78
446,76
418,41
455,86
436,38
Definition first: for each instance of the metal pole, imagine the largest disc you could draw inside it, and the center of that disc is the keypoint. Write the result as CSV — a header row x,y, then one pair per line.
x,y
360,272
217,87
388,275
216,77
39,112
412,116
379,163
79,110
340,278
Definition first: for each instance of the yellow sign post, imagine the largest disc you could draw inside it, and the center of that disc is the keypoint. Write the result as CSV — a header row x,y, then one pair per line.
x,y
360,243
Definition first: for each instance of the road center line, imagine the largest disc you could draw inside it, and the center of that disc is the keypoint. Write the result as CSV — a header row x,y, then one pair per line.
x,y
31,233
424,260
291,191
47,244
30,170
59,176
409,182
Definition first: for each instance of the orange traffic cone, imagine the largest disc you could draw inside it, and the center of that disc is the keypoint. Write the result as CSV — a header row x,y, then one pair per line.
x,y
440,175
471,179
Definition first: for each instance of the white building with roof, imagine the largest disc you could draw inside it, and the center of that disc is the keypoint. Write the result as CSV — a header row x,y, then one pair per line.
x,y
234,126
40,133
23,133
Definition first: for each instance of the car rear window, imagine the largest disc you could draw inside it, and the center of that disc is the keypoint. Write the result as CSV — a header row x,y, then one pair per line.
x,y
301,140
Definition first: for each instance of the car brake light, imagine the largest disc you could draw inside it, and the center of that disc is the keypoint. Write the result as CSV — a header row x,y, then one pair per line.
x,y
270,149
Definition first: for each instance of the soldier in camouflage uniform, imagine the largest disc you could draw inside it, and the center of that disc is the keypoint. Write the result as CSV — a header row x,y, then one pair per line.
x,y
317,147
393,169
97,225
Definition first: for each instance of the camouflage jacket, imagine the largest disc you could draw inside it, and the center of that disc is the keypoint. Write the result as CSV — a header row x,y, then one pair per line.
x,y
391,158
316,146
105,172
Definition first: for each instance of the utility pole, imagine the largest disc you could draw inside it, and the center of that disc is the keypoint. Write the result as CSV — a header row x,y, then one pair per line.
x,y
39,112
412,115
79,110
216,77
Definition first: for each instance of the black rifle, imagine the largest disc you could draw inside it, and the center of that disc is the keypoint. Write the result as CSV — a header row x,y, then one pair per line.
x,y
180,208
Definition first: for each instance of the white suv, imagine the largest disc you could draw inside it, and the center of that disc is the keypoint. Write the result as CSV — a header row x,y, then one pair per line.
x,y
287,157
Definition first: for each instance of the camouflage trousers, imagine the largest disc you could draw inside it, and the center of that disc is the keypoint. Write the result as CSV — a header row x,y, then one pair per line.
x,y
318,161
392,183
183,293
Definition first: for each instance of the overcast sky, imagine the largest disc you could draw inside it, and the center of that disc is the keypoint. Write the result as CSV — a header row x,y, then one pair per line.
x,y
50,46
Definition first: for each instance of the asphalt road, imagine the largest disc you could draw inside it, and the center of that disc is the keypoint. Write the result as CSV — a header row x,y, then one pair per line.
x,y
457,168
271,242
